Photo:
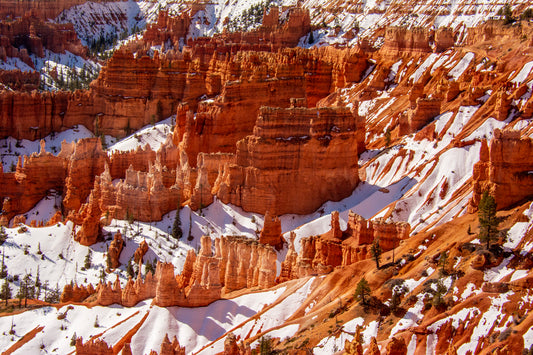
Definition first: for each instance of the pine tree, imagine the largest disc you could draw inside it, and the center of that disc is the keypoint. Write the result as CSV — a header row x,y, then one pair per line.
x,y
73,339
3,267
443,262
177,233
6,291
362,290
103,276
129,269
149,267
37,284
3,235
376,252
88,260
265,345
28,287
488,222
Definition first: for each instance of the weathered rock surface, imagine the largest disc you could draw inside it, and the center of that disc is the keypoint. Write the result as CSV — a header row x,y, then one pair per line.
x,y
297,159
502,169
320,254
115,248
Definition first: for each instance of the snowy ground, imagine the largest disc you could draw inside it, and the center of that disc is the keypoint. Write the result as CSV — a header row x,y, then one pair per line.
x,y
195,328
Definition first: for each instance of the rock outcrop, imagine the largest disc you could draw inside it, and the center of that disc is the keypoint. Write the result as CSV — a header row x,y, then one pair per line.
x,y
115,248
93,347
320,254
244,263
502,169
271,232
297,159
75,293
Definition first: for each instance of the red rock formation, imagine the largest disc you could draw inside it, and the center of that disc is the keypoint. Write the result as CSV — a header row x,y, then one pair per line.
x,y
31,181
502,169
93,347
244,263
140,252
396,347
115,248
35,34
320,254
400,39
86,162
19,80
271,232
142,195
426,109
296,160
75,293
443,39
167,28
48,10
250,80
89,217
168,348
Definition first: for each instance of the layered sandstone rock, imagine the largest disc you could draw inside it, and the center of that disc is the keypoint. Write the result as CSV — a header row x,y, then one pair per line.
x,y
271,232
244,263
249,80
75,293
401,39
48,10
320,254
502,169
140,252
297,159
115,248
34,177
85,163
93,347
170,348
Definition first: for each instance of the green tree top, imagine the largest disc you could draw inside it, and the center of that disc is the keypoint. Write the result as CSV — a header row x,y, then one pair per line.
x,y
488,221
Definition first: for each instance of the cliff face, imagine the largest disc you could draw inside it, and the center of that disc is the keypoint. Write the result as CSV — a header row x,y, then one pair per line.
x,y
34,176
34,34
297,159
248,80
502,169
44,10
400,39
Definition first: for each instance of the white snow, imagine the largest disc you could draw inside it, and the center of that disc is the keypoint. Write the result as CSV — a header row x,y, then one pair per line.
x,y
461,66
11,149
152,135
523,74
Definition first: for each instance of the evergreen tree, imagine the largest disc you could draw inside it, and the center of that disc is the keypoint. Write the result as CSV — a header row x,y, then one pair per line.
x,y
6,291
38,285
3,235
149,267
443,262
362,290
376,252
88,260
103,276
28,287
177,233
265,345
129,269
438,297
73,339
3,267
488,222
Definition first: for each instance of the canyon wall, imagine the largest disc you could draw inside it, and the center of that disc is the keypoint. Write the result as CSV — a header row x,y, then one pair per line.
x,y
502,169
297,159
